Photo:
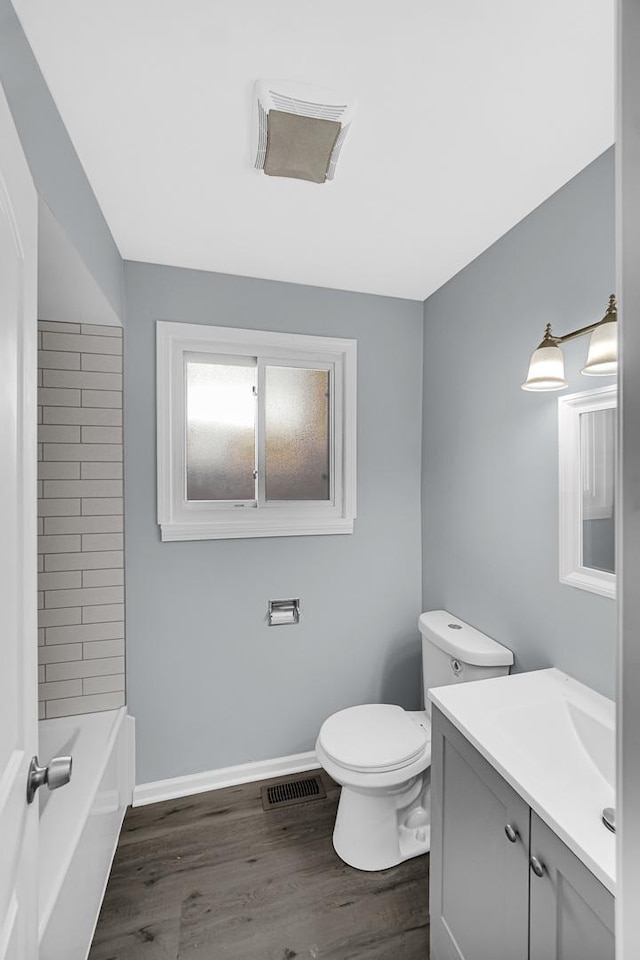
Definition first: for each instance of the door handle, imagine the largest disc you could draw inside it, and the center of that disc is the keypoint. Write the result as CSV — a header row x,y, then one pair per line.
x,y
55,774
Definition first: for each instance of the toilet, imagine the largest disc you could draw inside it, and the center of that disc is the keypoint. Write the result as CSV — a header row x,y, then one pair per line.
x,y
380,753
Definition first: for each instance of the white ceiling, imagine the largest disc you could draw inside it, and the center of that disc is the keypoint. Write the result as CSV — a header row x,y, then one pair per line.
x,y
470,114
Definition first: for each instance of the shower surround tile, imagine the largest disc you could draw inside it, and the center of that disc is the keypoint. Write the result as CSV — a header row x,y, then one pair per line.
x,y
80,507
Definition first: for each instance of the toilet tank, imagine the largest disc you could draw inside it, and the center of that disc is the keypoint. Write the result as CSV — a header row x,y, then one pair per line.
x,y
454,652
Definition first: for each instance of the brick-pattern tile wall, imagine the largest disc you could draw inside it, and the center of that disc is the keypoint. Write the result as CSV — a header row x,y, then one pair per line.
x,y
80,519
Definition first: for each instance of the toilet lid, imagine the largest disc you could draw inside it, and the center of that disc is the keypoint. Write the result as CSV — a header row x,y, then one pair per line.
x,y
372,737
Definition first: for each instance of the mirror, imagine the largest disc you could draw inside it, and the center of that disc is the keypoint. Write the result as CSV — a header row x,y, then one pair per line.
x,y
597,459
587,424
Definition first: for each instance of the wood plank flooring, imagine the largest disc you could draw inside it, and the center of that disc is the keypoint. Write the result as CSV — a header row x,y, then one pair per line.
x,y
214,877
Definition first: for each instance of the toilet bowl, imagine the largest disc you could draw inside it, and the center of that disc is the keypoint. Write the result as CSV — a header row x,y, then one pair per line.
x,y
380,753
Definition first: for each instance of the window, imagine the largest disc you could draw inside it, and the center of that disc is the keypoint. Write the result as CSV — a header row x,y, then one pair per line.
x,y
256,433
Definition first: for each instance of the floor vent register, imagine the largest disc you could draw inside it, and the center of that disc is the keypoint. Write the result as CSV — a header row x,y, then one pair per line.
x,y
286,793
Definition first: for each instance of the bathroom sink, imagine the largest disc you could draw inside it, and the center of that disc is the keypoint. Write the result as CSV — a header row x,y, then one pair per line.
x,y
558,731
597,739
553,739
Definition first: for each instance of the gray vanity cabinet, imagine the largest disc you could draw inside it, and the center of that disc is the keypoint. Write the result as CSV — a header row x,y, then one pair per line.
x,y
486,900
479,886
571,913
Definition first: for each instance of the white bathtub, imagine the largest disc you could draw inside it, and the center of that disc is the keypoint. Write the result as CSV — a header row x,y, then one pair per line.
x,y
79,826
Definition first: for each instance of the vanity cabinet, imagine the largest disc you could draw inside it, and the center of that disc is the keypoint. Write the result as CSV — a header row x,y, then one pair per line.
x,y
479,878
571,913
486,902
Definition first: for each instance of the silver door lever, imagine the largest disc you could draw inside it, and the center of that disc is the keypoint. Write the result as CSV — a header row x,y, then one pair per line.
x,y
55,774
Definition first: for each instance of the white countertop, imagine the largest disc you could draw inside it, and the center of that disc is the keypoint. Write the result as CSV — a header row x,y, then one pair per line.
x,y
553,739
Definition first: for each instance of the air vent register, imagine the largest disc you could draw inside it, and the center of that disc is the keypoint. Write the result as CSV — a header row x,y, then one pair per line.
x,y
301,129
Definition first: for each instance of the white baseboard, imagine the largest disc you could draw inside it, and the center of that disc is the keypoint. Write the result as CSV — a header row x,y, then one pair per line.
x,y
158,790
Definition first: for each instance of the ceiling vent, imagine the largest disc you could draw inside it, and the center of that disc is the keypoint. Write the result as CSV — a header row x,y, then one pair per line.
x,y
300,129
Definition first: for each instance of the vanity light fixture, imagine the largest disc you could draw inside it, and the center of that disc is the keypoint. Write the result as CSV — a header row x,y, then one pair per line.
x,y
546,370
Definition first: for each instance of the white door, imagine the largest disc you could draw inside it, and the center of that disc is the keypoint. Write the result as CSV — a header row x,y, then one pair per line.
x,y
18,598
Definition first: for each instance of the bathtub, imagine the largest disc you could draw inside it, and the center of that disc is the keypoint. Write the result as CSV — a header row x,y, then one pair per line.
x,y
79,826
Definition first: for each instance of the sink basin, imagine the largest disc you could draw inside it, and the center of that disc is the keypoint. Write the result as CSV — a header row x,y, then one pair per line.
x,y
597,739
560,729
553,739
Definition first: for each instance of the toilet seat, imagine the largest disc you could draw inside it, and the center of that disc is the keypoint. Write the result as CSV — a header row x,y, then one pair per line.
x,y
373,738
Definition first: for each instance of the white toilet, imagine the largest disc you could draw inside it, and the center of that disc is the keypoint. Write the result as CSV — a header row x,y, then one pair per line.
x,y
381,754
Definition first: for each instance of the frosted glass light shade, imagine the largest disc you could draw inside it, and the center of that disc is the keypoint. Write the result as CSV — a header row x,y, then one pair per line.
x,y
546,370
602,359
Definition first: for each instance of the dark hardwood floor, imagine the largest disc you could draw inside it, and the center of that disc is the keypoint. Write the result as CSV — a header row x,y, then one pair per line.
x,y
214,876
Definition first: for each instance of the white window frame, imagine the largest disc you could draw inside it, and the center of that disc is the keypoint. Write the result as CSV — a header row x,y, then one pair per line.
x,y
180,519
571,569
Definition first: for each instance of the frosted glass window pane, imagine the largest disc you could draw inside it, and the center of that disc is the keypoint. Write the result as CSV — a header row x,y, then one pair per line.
x,y
220,432
296,434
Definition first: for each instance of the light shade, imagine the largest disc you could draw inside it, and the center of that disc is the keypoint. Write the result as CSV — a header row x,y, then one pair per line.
x,y
546,370
602,359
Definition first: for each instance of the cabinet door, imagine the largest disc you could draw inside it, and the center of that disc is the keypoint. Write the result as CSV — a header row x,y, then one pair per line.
x,y
479,898
572,913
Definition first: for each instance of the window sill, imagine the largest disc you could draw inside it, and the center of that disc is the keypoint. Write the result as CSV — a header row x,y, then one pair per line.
x,y
587,578
237,529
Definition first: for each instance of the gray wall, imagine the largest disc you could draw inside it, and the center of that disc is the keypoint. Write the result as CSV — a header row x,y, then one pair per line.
x,y
54,164
490,466
208,682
